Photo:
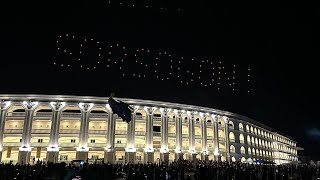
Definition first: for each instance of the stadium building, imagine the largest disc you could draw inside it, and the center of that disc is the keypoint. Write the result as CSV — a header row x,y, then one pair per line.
x,y
59,128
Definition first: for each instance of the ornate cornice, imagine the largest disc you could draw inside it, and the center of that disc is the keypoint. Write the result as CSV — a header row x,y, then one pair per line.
x,y
18,98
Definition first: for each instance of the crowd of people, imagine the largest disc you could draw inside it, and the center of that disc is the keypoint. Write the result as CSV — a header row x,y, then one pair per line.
x,y
181,170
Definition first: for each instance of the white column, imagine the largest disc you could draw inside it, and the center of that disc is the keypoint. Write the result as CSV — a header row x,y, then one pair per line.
x,y
164,151
179,154
204,153
131,134
109,155
216,137
82,150
226,129
25,149
192,152
149,135
4,105
53,149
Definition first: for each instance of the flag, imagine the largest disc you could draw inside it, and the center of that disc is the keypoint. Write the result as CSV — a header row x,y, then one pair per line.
x,y
120,108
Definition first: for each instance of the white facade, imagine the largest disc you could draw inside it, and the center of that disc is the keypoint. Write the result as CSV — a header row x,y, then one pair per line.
x,y
64,128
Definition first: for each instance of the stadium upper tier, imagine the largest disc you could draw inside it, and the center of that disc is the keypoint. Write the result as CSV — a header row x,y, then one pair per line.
x,y
64,128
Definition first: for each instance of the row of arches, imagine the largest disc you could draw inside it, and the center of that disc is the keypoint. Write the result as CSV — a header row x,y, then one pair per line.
x,y
251,141
253,151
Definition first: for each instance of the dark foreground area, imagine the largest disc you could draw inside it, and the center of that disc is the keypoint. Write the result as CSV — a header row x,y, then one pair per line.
x,y
175,171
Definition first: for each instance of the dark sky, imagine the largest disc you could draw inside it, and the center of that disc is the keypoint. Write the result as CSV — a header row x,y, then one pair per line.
x,y
278,42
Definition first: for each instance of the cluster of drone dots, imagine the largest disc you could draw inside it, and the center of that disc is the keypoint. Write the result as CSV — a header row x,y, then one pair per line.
x,y
160,65
145,5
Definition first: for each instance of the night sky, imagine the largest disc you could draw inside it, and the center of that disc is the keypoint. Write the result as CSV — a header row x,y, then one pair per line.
x,y
266,55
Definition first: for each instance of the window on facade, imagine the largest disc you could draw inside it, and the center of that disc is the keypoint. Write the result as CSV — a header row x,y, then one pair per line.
x,y
240,127
63,157
242,150
231,125
241,138
118,141
232,149
71,111
231,137
92,141
40,140
95,157
156,129
73,140
20,140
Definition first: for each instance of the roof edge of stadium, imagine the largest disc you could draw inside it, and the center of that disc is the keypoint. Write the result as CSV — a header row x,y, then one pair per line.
x,y
104,100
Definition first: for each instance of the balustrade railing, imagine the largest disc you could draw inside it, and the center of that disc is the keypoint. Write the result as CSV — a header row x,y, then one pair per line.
x,y
120,132
43,114
13,131
39,144
157,118
69,131
185,135
140,133
156,146
71,115
65,144
15,114
97,145
98,115
11,144
185,147
40,131
97,131
120,145
140,145
156,133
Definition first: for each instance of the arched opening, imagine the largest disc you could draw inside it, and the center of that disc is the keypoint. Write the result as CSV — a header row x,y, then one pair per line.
x,y
231,137
247,128
98,126
240,127
248,140
231,125
221,122
171,131
243,160
233,159
241,138
69,131
242,150
249,150
232,149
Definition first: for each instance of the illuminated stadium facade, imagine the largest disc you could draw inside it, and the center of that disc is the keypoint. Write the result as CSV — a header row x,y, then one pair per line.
x,y
65,128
